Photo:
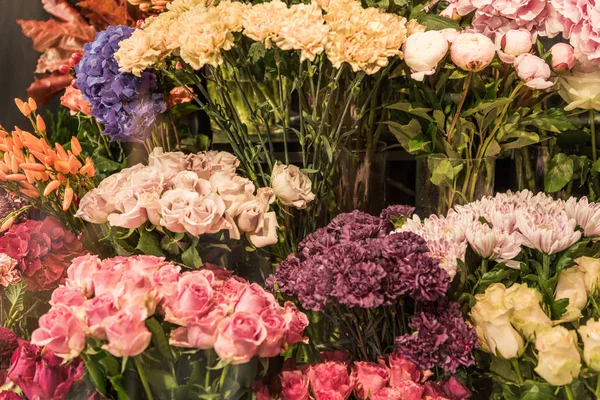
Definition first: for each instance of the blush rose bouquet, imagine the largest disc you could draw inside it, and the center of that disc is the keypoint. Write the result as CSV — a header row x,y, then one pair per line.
x,y
140,324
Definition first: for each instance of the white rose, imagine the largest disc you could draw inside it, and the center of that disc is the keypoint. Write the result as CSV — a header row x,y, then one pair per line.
x,y
590,334
581,89
527,314
591,267
571,285
490,315
559,361
291,186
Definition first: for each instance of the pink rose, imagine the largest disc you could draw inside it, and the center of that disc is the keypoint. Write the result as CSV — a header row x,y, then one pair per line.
x,y
174,207
239,337
67,296
330,377
369,377
472,51
232,288
291,186
80,273
455,389
138,289
169,164
131,214
423,51
274,321
450,12
534,71
205,215
194,298
230,187
144,263
149,201
200,164
96,311
61,331
296,323
126,332
147,180
94,208
201,332
410,390
253,299
387,393
165,280
74,101
328,395
189,180
106,280
402,370
179,95
267,235
433,390
294,386
514,43
110,186
563,57
223,161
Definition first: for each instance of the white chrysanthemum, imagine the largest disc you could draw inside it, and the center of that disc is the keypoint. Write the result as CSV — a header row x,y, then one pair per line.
x,y
204,37
547,231
262,22
493,243
586,214
304,30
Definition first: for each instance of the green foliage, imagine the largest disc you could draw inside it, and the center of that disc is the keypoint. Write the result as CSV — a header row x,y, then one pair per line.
x,y
560,173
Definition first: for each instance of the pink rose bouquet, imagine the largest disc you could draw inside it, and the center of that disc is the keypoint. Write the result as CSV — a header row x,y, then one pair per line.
x,y
147,310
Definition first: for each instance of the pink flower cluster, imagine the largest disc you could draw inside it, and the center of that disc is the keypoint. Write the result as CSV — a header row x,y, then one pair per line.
x,y
393,378
110,300
580,22
195,193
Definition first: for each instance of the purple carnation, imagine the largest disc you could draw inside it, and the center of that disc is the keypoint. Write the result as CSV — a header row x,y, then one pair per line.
x,y
317,242
356,225
392,213
360,285
125,104
442,338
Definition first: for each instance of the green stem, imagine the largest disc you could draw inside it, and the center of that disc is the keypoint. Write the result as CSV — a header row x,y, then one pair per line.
x,y
95,374
515,364
223,376
283,105
461,103
593,134
142,374
484,266
546,266
569,392
597,392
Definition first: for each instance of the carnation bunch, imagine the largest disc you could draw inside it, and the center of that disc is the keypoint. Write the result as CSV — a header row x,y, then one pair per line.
x,y
393,377
196,194
51,177
109,305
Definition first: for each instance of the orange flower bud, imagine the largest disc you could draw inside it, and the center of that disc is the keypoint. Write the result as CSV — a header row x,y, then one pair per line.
x,y
8,223
51,187
31,193
87,169
33,167
25,109
30,175
16,177
41,125
2,176
75,146
28,186
14,163
4,148
19,104
17,141
68,199
42,176
32,104
62,154
3,167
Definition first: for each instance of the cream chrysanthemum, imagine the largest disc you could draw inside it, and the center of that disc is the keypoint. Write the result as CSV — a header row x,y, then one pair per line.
x,y
304,30
262,22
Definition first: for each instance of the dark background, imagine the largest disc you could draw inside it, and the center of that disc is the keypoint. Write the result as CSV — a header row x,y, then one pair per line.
x,y
17,58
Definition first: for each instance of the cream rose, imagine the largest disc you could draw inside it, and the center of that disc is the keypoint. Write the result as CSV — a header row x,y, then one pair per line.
x,y
170,164
581,89
559,361
590,334
571,285
291,186
591,267
527,314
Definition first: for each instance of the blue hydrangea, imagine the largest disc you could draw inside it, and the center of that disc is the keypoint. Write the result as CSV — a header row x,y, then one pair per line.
x,y
125,104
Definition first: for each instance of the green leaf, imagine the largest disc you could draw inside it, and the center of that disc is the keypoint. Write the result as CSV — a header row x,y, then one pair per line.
x,y
148,244
418,144
404,133
522,139
159,339
559,307
16,296
486,106
437,23
256,51
560,172
191,258
442,172
552,120
596,166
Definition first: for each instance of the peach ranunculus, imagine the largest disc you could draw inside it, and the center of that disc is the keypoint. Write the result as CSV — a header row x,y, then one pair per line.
x,y
291,186
74,101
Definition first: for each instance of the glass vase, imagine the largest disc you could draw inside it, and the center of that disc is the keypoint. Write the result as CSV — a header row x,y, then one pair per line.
x,y
443,183
361,181
531,166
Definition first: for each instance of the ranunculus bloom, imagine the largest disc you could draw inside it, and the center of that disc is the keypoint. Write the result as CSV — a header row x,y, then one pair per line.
x,y
74,101
330,377
563,57
559,361
512,44
239,337
533,71
126,332
370,378
527,315
472,51
581,88
294,386
590,334
423,51
43,375
43,250
61,331
571,285
292,186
